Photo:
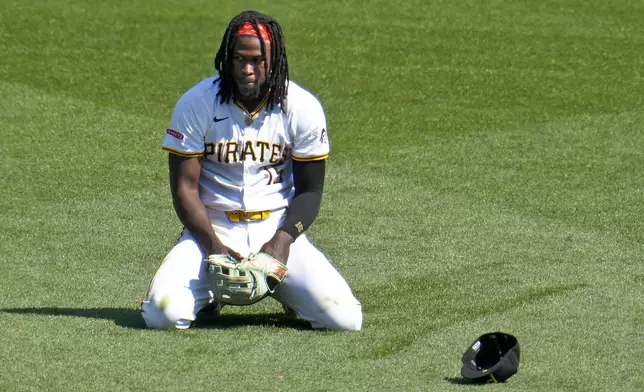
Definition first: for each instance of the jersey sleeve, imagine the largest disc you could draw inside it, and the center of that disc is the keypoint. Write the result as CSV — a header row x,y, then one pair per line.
x,y
187,129
310,142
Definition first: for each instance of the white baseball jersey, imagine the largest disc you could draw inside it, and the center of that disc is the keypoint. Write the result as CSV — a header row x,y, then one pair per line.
x,y
246,158
246,164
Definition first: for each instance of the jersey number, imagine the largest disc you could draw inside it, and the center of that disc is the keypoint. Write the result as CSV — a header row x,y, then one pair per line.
x,y
274,175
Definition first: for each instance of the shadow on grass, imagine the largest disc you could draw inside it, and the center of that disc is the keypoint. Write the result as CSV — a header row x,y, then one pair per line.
x,y
274,320
462,381
131,318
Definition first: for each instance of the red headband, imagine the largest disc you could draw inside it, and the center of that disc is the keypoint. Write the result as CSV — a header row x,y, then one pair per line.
x,y
248,29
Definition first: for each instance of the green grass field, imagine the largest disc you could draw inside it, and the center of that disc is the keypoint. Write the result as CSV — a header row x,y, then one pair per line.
x,y
486,174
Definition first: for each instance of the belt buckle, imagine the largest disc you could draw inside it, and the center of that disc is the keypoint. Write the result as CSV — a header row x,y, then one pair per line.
x,y
234,216
243,216
256,215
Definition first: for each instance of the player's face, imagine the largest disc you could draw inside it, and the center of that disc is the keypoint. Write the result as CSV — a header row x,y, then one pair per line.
x,y
250,67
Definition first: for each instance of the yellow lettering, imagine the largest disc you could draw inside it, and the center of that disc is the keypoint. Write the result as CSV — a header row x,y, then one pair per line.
x,y
275,153
220,150
263,146
231,151
248,150
210,149
285,153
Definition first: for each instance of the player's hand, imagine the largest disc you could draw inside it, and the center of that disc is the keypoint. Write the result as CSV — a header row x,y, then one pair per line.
x,y
219,248
247,281
279,246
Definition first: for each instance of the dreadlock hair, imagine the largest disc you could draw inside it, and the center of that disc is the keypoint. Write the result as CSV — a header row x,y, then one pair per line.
x,y
277,76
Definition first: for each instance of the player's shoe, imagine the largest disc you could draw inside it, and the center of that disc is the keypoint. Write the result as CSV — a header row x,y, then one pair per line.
x,y
288,311
208,314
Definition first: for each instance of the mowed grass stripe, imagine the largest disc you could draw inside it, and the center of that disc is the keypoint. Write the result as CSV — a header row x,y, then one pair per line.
x,y
484,175
462,225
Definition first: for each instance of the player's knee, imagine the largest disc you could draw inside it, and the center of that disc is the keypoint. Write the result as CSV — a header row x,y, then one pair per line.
x,y
351,320
342,318
161,315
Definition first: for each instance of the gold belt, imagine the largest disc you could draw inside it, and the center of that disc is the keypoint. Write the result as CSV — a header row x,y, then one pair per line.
x,y
243,216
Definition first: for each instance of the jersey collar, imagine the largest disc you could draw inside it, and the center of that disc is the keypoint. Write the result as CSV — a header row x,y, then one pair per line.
x,y
250,116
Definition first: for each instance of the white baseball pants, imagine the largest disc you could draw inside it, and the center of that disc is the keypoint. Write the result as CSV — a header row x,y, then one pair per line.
x,y
313,288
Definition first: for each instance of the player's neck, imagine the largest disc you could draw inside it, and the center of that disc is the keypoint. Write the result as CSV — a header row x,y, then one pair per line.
x,y
250,105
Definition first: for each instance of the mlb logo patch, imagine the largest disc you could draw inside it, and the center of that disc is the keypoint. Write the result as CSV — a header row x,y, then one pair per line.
x,y
323,136
174,134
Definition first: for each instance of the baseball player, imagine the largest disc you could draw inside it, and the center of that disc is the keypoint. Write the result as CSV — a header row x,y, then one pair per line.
x,y
247,151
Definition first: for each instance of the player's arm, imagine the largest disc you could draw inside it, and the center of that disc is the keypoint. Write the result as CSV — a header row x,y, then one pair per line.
x,y
309,153
184,143
184,186
308,177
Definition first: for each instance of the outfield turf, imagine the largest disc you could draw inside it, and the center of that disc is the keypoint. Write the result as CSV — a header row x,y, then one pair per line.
x,y
486,173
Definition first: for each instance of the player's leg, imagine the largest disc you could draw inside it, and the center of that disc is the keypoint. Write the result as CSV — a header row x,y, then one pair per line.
x,y
316,291
180,288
